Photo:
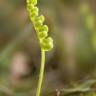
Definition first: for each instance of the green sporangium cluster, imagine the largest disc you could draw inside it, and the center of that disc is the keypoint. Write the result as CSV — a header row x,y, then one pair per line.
x,y
46,43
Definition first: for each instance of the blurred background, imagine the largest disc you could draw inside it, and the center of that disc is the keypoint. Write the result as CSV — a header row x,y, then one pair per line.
x,y
70,66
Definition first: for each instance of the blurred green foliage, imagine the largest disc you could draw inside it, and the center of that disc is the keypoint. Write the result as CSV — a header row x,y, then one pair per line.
x,y
72,25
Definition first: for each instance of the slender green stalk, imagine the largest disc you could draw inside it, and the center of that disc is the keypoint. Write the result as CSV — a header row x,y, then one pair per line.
x,y
46,42
41,73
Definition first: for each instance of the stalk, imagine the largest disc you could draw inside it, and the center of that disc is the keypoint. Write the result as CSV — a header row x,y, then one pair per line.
x,y
41,75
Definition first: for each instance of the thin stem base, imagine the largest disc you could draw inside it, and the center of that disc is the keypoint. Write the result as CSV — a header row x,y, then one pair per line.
x,y
41,73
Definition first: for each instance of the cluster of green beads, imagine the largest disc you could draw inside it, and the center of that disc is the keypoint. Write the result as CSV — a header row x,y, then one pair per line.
x,y
46,43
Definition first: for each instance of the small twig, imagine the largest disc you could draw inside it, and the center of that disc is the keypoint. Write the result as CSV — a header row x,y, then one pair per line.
x,y
57,92
65,91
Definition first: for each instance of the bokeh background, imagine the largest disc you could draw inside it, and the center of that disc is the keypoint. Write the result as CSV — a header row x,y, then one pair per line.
x,y
70,67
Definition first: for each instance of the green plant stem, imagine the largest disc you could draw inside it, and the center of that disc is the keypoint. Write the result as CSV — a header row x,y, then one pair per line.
x,y
41,73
